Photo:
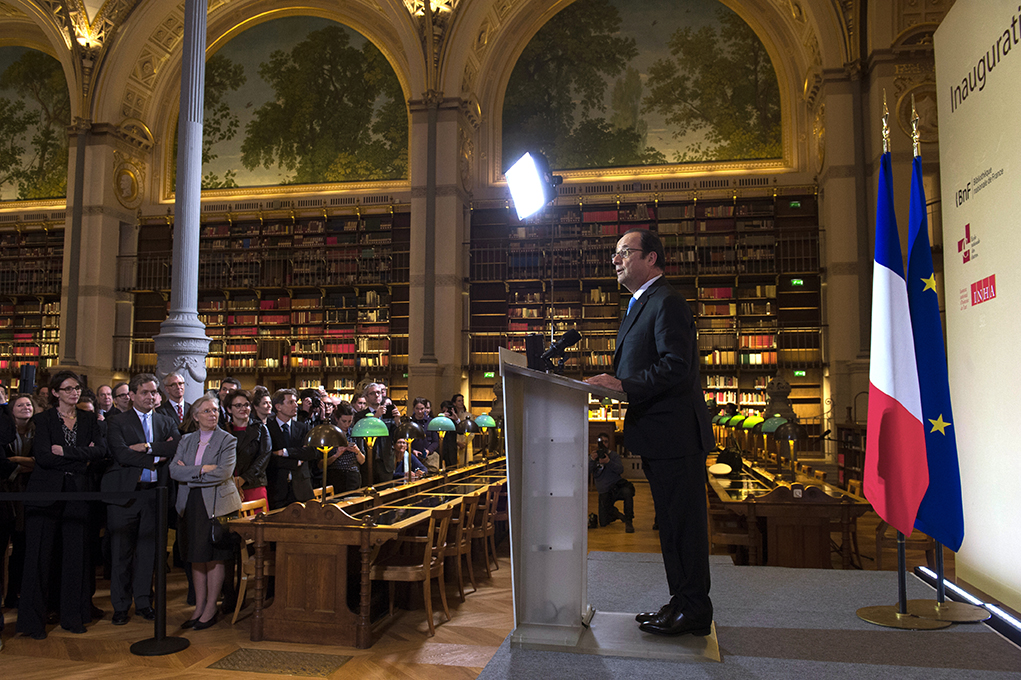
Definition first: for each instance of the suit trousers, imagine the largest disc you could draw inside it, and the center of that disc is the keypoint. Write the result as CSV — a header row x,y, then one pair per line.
x,y
678,487
44,526
133,552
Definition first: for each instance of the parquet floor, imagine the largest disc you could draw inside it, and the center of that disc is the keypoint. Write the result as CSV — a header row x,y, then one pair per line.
x,y
460,649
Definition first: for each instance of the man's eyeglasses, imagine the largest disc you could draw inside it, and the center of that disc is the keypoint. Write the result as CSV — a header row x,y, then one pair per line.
x,y
624,253
123,395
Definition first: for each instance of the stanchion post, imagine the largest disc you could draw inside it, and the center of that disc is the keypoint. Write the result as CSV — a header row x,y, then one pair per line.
x,y
160,644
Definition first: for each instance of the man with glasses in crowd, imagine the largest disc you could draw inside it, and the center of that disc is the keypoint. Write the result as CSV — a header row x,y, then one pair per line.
x,y
175,406
121,400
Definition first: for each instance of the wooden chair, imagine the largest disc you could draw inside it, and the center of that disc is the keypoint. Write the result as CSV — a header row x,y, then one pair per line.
x,y
886,537
734,531
459,540
250,509
318,492
484,528
854,487
412,567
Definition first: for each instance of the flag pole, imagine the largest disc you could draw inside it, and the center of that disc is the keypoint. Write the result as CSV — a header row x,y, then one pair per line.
x,y
938,609
892,616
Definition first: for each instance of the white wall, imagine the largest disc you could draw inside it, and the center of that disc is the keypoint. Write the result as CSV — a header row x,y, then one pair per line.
x,y
978,134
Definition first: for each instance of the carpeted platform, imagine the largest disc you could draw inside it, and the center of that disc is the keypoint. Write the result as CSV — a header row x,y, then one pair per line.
x,y
776,623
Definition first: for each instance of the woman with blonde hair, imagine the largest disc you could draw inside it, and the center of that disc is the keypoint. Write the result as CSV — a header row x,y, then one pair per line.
x,y
203,467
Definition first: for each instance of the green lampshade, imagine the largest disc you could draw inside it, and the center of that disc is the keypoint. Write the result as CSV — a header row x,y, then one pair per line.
x,y
441,424
769,426
717,419
370,426
735,421
485,420
751,422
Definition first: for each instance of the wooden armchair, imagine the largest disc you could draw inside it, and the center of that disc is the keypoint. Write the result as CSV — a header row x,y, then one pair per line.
x,y
250,509
459,540
318,492
423,565
484,528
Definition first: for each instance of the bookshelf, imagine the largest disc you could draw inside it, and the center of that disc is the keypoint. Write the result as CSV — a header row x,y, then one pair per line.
x,y
749,268
31,265
288,299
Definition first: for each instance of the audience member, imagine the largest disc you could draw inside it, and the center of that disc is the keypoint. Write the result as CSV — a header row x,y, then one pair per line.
x,y
203,467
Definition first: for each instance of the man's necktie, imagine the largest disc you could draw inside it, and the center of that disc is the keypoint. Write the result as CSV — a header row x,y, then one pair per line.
x,y
147,474
631,303
180,413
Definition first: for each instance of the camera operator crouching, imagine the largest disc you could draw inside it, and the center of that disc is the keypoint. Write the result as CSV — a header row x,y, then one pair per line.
x,y
607,469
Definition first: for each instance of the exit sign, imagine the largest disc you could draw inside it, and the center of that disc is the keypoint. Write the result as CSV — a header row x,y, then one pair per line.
x,y
797,282
795,204
799,374
489,374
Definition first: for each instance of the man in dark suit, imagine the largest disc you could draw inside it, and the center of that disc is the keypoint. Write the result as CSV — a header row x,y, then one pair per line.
x,y
288,476
174,406
121,400
141,442
227,385
667,424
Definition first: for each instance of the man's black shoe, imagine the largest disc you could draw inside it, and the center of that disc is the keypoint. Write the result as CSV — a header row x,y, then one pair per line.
x,y
147,613
120,618
646,617
676,624
629,528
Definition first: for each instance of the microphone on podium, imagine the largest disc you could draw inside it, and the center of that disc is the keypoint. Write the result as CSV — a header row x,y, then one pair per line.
x,y
568,339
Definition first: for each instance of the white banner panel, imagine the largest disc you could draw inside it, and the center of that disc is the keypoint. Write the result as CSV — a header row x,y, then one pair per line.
x,y
978,70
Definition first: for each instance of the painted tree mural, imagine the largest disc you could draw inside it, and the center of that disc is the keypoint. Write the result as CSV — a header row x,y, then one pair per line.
x,y
649,82
35,110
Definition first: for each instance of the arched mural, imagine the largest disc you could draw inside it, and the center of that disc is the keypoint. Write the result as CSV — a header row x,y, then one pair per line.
x,y
35,110
302,100
610,83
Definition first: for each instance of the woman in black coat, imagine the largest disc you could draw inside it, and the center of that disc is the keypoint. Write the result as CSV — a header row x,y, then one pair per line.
x,y
253,447
66,441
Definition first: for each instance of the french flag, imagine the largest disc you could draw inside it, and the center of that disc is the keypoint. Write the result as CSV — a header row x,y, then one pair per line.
x,y
896,470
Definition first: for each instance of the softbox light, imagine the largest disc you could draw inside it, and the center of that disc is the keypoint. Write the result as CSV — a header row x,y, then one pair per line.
x,y
531,184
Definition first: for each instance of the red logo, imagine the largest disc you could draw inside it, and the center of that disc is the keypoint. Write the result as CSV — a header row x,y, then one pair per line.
x,y
984,290
967,245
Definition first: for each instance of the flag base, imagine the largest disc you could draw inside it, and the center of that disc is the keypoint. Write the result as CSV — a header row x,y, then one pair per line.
x,y
887,615
954,612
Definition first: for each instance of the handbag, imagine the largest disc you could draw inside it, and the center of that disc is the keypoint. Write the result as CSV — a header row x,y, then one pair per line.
x,y
219,533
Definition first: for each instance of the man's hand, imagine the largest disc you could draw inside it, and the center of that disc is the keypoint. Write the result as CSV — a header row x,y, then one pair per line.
x,y
57,450
140,448
605,380
207,468
278,452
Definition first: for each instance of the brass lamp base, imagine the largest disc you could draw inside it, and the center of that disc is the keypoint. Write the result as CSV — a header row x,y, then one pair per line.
x,y
887,615
954,612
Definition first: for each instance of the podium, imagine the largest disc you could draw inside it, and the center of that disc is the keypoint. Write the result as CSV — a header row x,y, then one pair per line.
x,y
546,437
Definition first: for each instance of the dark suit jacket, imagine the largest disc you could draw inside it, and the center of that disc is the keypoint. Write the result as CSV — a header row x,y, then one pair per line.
x,y
167,409
657,362
126,469
280,466
48,475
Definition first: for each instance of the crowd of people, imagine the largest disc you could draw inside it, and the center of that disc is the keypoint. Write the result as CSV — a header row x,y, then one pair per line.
x,y
229,446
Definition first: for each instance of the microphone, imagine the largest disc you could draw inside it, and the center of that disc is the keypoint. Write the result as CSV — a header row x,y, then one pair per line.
x,y
568,339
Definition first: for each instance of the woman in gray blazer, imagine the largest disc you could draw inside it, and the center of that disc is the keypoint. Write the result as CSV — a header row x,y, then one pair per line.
x,y
203,467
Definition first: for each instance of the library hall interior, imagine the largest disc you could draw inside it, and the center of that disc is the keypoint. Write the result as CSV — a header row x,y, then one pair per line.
x,y
508,339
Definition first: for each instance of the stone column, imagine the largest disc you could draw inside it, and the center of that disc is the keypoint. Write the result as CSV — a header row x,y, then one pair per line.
x,y
438,261
182,344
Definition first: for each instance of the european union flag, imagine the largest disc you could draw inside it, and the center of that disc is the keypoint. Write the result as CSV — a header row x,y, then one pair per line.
x,y
941,514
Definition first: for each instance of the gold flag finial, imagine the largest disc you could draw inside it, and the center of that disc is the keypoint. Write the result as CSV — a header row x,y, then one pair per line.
x,y
915,137
886,125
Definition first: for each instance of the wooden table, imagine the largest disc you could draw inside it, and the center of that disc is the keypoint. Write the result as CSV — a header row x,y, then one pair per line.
x,y
798,516
318,547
